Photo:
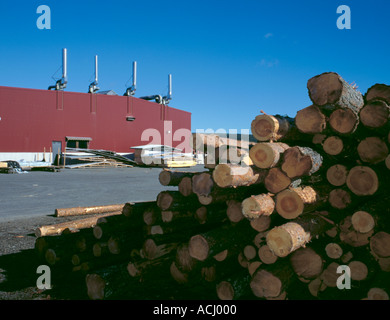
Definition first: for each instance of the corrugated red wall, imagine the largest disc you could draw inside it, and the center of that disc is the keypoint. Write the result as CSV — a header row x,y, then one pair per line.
x,y
31,119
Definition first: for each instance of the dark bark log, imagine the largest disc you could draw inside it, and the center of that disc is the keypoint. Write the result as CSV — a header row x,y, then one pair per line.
x,y
306,263
174,200
372,150
310,120
205,245
109,283
270,281
234,287
173,178
378,91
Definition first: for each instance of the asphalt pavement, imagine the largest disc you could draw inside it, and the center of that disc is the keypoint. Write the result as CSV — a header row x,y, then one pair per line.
x,y
37,193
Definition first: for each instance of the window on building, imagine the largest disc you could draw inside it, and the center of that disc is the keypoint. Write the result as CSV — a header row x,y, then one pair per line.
x,y
78,142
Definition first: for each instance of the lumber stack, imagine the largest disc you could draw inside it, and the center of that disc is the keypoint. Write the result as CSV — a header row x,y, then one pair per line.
x,y
312,200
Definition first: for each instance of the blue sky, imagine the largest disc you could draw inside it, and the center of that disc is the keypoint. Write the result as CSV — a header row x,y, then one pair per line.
x,y
228,59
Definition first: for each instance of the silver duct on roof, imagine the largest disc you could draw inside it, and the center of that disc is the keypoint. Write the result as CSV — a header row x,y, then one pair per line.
x,y
61,83
130,91
158,98
93,85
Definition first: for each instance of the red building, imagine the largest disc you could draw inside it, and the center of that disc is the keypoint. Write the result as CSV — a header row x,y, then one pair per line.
x,y
33,121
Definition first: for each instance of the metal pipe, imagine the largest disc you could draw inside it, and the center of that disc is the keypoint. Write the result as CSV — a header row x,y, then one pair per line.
x,y
134,75
131,90
169,86
64,64
96,69
93,85
168,97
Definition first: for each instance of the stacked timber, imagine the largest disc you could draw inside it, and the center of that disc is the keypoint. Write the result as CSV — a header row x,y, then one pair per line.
x,y
308,209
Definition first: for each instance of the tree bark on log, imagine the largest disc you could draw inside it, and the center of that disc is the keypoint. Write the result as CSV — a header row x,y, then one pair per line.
x,y
306,263
202,246
221,195
215,214
271,281
230,175
258,205
276,180
300,161
120,242
286,238
331,92
265,155
292,202
135,210
109,283
234,287
76,211
107,226
174,200
173,178
75,225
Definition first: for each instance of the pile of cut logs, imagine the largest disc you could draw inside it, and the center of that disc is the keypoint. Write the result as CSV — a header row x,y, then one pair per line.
x,y
304,215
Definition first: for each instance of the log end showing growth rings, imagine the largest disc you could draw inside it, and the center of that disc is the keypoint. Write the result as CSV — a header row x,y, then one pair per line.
x,y
310,120
265,285
256,206
375,114
343,121
325,88
264,126
225,291
362,181
288,204
283,240
95,286
198,248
